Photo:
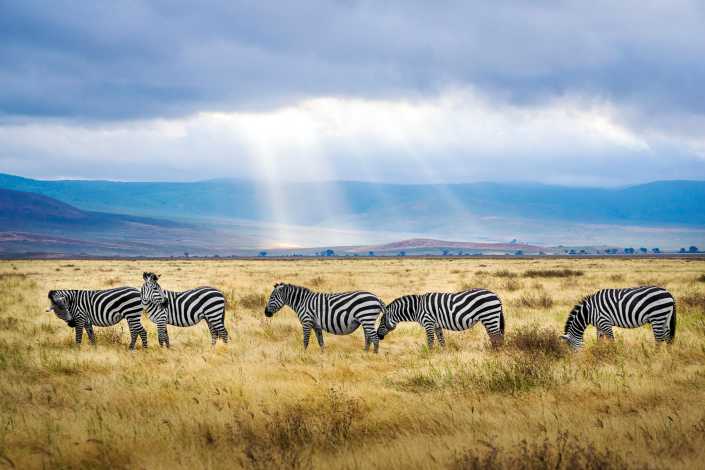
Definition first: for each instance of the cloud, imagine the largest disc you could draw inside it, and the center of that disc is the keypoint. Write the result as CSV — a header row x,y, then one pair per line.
x,y
152,58
458,135
572,92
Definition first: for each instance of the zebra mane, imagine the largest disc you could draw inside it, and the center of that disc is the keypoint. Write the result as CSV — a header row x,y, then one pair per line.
x,y
573,313
291,286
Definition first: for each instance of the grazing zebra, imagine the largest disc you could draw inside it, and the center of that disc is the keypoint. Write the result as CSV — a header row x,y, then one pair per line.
x,y
625,308
339,313
185,308
436,311
87,308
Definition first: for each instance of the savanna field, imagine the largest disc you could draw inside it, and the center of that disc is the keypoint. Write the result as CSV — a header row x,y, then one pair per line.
x,y
261,401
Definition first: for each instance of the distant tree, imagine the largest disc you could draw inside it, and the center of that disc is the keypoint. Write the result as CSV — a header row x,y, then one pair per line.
x,y
583,252
643,250
541,253
519,253
629,251
656,250
571,252
370,253
682,250
329,252
446,252
186,254
402,253
262,254
693,249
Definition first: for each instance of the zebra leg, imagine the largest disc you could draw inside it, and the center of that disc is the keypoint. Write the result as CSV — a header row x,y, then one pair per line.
x,y
163,334
660,331
214,333
429,334
307,335
371,336
439,335
143,336
223,334
319,337
79,332
136,329
89,332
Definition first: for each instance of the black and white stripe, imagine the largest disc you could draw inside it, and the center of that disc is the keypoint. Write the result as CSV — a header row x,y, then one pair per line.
x,y
185,308
339,313
88,308
437,311
624,308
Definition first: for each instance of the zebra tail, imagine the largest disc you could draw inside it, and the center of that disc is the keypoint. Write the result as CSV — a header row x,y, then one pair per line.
x,y
672,324
501,321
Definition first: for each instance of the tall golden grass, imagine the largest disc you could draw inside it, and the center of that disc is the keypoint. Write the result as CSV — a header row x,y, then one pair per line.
x,y
261,401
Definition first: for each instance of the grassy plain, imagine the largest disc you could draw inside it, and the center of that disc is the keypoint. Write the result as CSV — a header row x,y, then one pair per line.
x,y
262,401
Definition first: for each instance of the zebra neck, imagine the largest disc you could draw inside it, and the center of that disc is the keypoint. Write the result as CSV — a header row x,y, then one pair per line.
x,y
296,298
411,312
580,322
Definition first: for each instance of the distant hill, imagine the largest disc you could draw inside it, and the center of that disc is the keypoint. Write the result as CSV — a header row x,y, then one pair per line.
x,y
32,223
663,202
226,215
21,210
431,246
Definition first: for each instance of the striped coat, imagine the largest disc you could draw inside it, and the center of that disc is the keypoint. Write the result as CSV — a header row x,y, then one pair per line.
x,y
338,313
623,308
84,309
437,311
183,309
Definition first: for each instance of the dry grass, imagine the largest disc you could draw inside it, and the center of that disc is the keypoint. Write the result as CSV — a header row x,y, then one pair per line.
x,y
262,402
565,272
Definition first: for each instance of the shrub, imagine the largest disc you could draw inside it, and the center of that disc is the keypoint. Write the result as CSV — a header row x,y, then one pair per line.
x,y
253,301
316,282
504,273
535,300
537,340
700,278
692,299
514,374
511,284
552,273
562,452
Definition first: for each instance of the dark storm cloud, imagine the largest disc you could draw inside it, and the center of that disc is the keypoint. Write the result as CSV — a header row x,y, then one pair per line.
x,y
124,60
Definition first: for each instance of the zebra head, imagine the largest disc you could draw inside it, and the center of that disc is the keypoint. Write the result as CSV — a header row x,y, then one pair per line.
x,y
277,300
387,322
61,306
152,293
573,331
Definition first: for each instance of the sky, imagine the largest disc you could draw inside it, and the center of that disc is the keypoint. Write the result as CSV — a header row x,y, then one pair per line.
x,y
599,93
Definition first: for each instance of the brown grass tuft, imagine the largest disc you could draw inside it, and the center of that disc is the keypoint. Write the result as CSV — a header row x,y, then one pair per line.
x,y
537,339
534,300
550,273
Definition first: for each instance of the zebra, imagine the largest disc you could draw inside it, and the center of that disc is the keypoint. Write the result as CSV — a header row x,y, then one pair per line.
x,y
185,308
87,308
337,313
436,311
625,308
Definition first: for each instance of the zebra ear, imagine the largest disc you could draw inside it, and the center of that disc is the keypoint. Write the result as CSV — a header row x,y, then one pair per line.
x,y
51,294
145,276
